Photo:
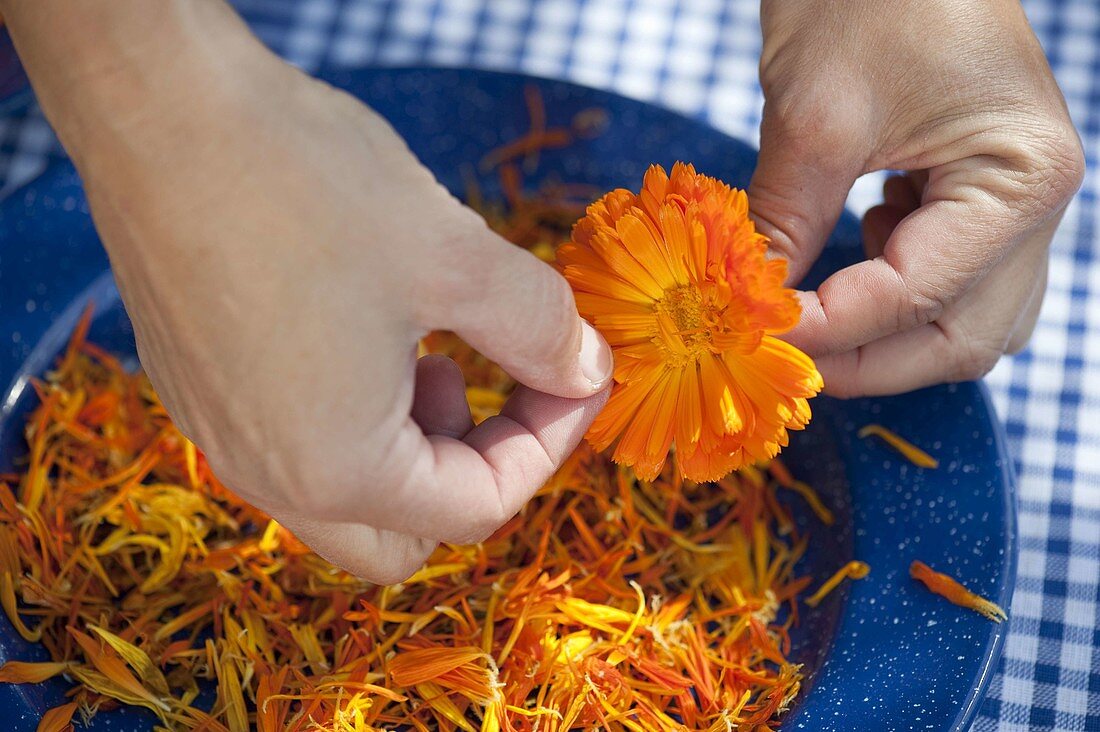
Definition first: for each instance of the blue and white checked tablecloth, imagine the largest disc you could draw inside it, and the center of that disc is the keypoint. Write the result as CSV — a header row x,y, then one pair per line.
x,y
700,57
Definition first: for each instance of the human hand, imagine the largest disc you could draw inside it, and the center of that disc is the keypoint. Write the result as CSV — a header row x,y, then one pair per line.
x,y
958,93
281,252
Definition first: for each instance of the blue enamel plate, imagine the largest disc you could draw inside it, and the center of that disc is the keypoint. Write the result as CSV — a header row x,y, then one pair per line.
x,y
880,654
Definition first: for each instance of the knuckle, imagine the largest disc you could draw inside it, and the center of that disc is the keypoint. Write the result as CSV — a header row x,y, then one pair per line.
x,y
493,520
448,281
1022,335
1066,163
808,121
475,524
386,575
476,533
842,374
1049,191
553,294
1051,165
550,289
920,305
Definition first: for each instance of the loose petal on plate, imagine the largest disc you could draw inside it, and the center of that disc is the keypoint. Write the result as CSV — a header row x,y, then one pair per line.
x,y
952,590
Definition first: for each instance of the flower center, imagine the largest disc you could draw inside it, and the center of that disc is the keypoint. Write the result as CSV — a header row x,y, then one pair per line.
x,y
685,322
684,305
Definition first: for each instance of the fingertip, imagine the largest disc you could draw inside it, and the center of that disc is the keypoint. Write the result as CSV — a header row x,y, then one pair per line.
x,y
596,359
525,319
586,371
901,191
402,563
878,224
437,363
811,332
782,242
439,400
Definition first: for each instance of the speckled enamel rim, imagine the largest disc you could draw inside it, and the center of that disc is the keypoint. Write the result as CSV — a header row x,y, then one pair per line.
x,y
995,648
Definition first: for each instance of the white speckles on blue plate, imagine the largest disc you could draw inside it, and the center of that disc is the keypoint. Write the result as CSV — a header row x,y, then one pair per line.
x,y
880,654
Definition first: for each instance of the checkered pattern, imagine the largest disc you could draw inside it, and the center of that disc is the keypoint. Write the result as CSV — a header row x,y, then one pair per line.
x,y
699,57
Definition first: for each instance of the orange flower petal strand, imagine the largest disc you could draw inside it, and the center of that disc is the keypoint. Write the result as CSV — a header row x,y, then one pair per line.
x,y
58,719
911,452
952,590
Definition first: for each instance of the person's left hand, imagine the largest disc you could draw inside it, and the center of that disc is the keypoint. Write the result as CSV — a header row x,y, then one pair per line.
x,y
958,92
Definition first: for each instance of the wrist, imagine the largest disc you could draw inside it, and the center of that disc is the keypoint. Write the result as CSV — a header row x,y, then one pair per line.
x,y
71,37
98,66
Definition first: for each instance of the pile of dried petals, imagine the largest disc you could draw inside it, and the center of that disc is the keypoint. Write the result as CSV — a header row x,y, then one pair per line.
x,y
609,601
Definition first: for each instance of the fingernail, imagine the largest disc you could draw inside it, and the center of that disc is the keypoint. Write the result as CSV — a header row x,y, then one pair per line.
x,y
596,359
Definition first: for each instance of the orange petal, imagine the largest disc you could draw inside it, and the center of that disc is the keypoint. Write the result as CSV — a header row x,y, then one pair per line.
x,y
645,443
424,664
620,409
58,719
18,672
640,242
953,591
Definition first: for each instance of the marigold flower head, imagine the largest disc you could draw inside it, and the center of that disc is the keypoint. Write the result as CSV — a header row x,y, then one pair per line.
x,y
677,280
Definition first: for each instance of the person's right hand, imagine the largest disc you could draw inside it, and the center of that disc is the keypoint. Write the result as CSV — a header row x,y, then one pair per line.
x,y
280,252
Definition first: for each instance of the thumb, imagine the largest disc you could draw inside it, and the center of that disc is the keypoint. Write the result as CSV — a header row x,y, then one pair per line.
x,y
798,190
519,312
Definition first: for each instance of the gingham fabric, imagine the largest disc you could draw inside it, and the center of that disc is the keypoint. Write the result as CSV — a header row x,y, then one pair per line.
x,y
700,57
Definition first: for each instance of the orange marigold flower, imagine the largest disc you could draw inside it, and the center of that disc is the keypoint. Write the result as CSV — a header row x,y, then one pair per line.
x,y
678,281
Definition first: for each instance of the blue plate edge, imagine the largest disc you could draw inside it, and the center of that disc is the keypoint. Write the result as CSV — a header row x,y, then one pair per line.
x,y
995,648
